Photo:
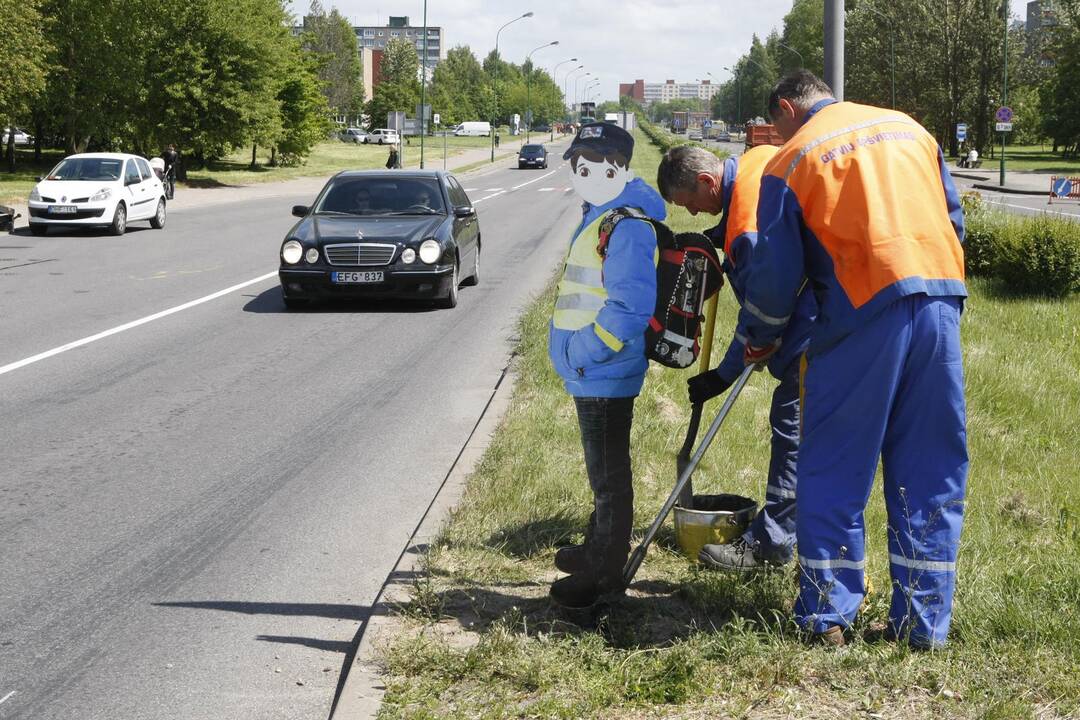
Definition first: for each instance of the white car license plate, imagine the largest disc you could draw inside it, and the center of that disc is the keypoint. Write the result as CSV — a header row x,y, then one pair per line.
x,y
366,276
63,209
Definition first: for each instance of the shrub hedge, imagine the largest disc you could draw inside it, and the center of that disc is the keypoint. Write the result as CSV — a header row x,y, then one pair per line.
x,y
664,140
1031,255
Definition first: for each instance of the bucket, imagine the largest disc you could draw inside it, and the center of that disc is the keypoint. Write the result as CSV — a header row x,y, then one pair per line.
x,y
714,520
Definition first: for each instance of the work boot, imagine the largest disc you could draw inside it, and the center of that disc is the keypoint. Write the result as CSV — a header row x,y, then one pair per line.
x,y
736,556
572,559
831,637
583,590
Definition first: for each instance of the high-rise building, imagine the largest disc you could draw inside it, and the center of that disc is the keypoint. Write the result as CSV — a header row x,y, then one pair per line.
x,y
650,92
1041,19
375,37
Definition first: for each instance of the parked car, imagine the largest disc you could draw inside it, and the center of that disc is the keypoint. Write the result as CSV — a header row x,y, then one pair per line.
x,y
694,135
21,137
542,128
380,233
353,135
473,128
532,156
108,190
724,137
382,136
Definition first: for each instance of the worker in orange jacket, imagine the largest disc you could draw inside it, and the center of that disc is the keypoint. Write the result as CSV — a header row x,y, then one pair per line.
x,y
859,203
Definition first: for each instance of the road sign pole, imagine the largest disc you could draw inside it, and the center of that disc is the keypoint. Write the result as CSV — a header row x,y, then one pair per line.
x,y
1004,87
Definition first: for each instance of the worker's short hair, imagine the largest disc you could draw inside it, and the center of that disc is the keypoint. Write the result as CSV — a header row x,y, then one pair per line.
x,y
615,158
801,88
680,167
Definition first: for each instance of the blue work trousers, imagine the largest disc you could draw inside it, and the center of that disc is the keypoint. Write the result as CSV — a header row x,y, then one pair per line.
x,y
894,390
772,532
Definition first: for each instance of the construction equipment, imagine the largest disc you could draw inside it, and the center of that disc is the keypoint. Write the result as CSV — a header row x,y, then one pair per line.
x,y
634,562
762,135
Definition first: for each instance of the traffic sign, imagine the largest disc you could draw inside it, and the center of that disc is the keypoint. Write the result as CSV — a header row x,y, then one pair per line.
x,y
1004,114
1003,127
435,118
961,131
707,124
1062,187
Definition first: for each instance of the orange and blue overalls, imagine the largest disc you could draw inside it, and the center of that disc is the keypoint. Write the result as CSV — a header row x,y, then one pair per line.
x,y
859,204
772,532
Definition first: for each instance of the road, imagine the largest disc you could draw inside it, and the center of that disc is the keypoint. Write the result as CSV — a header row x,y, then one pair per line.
x,y
198,507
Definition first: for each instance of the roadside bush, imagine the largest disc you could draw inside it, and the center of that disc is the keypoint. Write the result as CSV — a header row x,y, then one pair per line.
x,y
665,141
1043,258
1037,255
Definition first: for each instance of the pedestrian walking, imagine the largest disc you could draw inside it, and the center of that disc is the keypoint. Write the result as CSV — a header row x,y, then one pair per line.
x,y
859,202
393,159
696,179
597,345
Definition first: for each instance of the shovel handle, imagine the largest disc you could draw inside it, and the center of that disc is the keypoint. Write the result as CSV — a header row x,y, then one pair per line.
x,y
634,562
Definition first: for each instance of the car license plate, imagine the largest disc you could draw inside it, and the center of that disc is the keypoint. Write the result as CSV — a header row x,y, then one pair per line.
x,y
63,209
366,276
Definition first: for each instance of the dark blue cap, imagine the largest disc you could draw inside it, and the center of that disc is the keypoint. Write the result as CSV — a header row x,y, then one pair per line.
x,y
603,138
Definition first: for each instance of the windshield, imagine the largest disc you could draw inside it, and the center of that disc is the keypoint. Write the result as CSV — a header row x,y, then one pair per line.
x,y
382,196
532,149
87,169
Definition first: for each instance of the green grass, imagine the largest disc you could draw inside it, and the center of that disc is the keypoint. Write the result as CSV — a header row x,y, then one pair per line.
x,y
482,641
1035,158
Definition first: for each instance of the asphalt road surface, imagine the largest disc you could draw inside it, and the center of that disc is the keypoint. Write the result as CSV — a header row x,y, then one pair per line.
x,y
199,504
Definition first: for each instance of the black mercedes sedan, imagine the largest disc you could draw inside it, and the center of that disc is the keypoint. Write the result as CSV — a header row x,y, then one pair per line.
x,y
382,233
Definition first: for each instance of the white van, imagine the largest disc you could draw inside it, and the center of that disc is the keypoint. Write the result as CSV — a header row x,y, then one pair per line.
x,y
473,128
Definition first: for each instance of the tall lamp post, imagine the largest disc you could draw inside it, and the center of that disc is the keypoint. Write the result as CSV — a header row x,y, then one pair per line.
x,y
555,88
738,101
589,86
423,86
802,63
1004,83
566,90
576,80
528,88
892,49
495,83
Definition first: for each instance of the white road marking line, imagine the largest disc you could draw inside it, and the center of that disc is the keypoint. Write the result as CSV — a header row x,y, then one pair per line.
x,y
530,182
545,189
493,190
1049,208
4,699
472,189
133,324
501,192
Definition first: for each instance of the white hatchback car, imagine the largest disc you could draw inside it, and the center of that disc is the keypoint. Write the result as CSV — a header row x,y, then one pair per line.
x,y
97,189
383,136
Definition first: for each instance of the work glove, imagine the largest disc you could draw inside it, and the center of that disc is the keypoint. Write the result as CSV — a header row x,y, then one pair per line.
x,y
759,355
706,386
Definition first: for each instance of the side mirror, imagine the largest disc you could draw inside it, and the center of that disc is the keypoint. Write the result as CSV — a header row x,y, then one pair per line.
x,y
300,210
39,178
464,211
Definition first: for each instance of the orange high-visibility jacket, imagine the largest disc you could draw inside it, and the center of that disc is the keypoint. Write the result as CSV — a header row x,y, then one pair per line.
x,y
858,202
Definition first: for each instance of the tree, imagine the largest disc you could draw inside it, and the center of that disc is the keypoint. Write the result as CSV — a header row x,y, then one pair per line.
x,y
459,88
332,40
304,110
398,89
804,30
23,57
1060,96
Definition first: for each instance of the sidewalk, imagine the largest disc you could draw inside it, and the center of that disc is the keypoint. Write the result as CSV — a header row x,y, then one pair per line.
x,y
1017,182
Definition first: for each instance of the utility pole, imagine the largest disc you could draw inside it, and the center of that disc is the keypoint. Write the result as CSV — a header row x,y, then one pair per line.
x,y
1004,83
834,47
423,86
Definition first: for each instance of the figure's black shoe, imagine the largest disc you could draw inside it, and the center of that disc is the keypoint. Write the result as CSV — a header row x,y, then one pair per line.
x,y
737,556
572,559
581,591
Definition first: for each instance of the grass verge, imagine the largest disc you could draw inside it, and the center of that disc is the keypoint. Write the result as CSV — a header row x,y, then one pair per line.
x,y
1035,158
480,639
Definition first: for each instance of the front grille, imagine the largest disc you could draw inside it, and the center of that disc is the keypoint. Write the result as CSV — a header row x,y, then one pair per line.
x,y
77,215
47,199
360,254
81,200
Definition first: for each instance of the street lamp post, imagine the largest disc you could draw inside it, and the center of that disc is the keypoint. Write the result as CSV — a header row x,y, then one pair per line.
x,y
588,86
738,101
555,88
566,89
495,83
802,63
585,74
1004,84
528,88
892,50
423,85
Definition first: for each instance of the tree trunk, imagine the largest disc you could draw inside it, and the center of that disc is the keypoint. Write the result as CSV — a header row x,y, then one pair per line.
x,y
39,128
273,156
254,149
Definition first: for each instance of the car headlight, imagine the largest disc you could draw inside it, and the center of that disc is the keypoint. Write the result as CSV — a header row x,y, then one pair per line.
x,y
312,255
35,196
430,251
102,194
292,251
408,256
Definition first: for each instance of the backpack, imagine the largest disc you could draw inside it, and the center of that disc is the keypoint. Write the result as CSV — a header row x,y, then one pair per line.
x,y
687,274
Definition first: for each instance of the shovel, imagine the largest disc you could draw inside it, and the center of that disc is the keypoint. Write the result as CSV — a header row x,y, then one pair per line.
x,y
686,498
634,562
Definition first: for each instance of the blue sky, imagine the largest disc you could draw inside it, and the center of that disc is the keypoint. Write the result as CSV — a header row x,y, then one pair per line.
x,y
615,41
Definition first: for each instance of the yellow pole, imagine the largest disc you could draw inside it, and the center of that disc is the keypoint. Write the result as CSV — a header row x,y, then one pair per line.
x,y
710,326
